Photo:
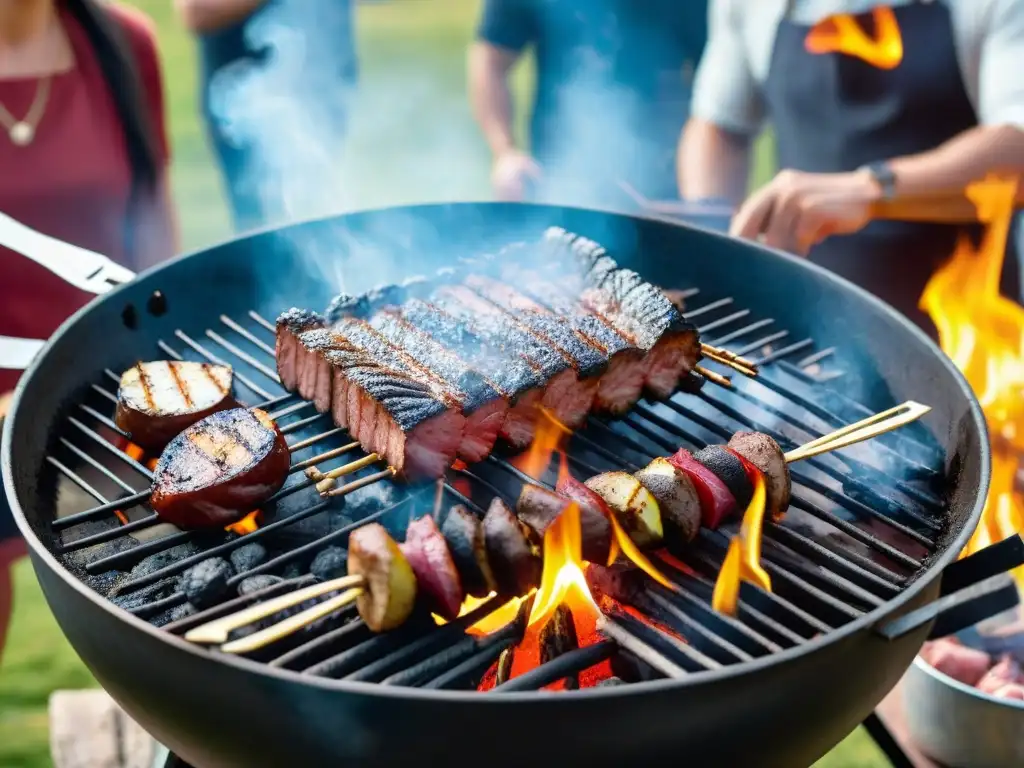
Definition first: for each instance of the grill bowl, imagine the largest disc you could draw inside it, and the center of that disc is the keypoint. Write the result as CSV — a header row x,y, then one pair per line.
x,y
787,708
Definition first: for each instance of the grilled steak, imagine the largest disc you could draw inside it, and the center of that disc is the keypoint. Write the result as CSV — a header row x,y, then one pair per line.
x,y
158,399
384,406
289,353
219,469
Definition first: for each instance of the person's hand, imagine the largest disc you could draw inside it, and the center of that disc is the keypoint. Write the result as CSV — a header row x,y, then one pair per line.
x,y
797,210
5,403
510,172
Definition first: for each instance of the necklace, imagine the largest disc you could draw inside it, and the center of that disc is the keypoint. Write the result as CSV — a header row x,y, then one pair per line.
x,y
22,132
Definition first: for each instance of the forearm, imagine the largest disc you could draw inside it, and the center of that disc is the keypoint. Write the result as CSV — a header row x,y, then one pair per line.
x,y
203,16
952,166
490,96
712,163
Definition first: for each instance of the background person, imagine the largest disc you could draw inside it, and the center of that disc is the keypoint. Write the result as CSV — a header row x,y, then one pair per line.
x,y
849,133
612,92
83,158
297,64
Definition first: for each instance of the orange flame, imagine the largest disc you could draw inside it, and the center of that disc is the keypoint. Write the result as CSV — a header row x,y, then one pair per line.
x,y
743,560
247,524
842,34
983,333
550,436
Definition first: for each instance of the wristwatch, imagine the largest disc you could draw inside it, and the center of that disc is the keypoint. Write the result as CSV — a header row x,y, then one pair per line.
x,y
883,175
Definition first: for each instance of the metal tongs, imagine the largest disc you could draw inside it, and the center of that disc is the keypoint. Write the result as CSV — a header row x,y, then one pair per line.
x,y
82,268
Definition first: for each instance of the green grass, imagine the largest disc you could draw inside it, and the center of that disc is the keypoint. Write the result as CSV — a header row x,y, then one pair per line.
x,y
424,147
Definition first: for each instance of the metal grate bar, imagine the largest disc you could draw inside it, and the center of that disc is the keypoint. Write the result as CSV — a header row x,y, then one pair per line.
x,y
335,636
263,321
465,648
96,465
567,664
240,377
103,510
784,351
475,665
295,426
739,332
247,335
109,534
857,568
291,409
104,421
707,308
723,321
245,356
109,448
76,479
755,345
100,390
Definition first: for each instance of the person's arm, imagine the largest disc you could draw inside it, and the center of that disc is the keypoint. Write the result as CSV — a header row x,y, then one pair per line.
x,y
726,114
505,29
201,16
490,95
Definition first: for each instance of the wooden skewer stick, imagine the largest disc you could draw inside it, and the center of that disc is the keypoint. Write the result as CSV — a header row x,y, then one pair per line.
x,y
722,381
216,631
362,482
734,364
293,624
725,354
872,426
325,480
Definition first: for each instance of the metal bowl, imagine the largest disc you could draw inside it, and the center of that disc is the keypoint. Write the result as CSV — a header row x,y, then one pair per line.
x,y
959,725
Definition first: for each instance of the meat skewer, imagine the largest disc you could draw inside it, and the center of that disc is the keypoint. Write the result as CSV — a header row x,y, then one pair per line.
x,y
498,554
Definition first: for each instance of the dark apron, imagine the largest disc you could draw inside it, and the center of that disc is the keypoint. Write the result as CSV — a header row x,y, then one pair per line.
x,y
834,113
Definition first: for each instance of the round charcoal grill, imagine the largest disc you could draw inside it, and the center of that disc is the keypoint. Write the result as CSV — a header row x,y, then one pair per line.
x,y
861,566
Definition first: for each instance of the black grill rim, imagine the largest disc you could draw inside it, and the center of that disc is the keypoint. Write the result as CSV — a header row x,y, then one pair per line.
x,y
918,583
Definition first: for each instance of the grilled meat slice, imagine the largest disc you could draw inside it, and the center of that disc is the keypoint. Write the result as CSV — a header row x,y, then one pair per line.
x,y
289,354
484,407
566,395
539,508
219,469
509,372
464,534
388,410
635,307
390,590
436,575
515,565
158,399
623,582
623,380
766,454
676,496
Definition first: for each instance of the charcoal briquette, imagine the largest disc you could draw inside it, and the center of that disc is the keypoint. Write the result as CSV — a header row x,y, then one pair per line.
x,y
206,583
256,583
330,563
248,556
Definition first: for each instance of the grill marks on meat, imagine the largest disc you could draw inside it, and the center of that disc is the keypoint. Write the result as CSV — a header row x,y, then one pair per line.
x,y
428,369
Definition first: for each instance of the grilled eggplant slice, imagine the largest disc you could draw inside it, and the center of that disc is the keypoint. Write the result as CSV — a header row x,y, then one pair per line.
x,y
634,506
159,399
390,590
767,455
436,574
676,496
515,565
464,534
219,469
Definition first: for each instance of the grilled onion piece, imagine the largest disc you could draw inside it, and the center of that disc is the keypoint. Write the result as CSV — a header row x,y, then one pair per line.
x,y
219,469
436,574
464,534
390,590
766,454
539,508
635,508
515,566
159,399
676,497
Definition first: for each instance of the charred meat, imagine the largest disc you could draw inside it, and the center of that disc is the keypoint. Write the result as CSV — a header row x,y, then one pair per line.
x,y
436,574
515,565
219,469
158,399
464,534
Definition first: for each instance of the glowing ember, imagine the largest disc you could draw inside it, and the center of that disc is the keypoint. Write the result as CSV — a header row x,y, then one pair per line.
x,y
842,34
983,333
743,560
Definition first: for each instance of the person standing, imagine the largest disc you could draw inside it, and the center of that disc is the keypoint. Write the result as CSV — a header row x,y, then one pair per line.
x,y
84,159
921,106
612,93
276,83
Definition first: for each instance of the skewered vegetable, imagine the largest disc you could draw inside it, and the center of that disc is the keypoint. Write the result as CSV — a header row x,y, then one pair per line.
x,y
676,497
389,591
633,505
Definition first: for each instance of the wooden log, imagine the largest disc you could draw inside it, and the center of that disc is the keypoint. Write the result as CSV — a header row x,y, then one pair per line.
x,y
89,730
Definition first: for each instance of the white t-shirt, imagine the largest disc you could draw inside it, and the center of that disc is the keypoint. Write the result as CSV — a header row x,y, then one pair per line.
x,y
728,90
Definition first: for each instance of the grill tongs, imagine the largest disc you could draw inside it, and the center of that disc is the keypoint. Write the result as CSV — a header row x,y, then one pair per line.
x,y
82,268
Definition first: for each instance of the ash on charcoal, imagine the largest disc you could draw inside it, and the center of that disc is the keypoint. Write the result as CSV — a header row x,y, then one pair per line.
x,y
206,583
102,584
140,597
330,563
256,583
160,560
611,682
79,559
176,613
248,556
291,571
310,529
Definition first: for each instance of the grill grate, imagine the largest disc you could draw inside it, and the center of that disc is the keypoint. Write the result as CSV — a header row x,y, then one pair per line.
x,y
845,548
